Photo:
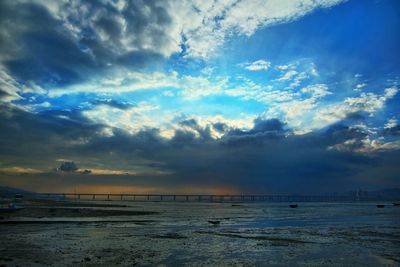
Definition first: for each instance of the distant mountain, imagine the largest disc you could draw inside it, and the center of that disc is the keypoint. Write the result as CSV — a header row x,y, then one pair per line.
x,y
8,192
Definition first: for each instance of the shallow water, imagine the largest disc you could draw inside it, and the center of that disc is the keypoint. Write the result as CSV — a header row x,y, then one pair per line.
x,y
251,234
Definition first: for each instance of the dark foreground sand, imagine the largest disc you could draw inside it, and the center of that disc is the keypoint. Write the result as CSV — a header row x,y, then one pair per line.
x,y
178,234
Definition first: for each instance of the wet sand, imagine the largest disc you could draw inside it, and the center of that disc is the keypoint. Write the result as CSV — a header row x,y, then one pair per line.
x,y
51,211
179,234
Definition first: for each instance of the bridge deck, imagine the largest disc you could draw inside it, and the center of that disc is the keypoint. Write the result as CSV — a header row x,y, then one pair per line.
x,y
197,197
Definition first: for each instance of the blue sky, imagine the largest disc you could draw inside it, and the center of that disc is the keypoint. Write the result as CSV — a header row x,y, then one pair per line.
x,y
92,79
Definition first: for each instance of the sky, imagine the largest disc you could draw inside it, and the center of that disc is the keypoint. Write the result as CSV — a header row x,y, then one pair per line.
x,y
181,96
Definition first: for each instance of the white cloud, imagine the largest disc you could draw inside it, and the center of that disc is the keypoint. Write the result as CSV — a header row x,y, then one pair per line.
x,y
284,67
40,105
287,75
373,145
296,72
391,123
316,91
257,65
298,79
366,102
366,145
359,87
304,111
131,120
206,24
191,87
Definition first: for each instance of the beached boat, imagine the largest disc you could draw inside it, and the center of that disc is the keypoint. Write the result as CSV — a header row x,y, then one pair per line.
x,y
293,206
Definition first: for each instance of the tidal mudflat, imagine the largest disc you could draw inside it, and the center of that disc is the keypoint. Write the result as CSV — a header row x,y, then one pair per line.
x,y
179,234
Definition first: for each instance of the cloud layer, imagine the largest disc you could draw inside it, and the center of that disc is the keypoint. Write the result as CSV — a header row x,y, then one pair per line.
x,y
266,158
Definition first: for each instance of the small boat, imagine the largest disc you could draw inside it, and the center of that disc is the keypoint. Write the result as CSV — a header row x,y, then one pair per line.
x,y
396,204
293,206
380,206
214,222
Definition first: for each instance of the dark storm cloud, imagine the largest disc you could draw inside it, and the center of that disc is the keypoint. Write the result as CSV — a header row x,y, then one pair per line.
x,y
266,158
68,166
80,39
263,131
34,46
258,160
35,138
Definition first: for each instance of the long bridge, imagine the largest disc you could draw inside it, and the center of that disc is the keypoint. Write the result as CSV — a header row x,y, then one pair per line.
x,y
200,197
